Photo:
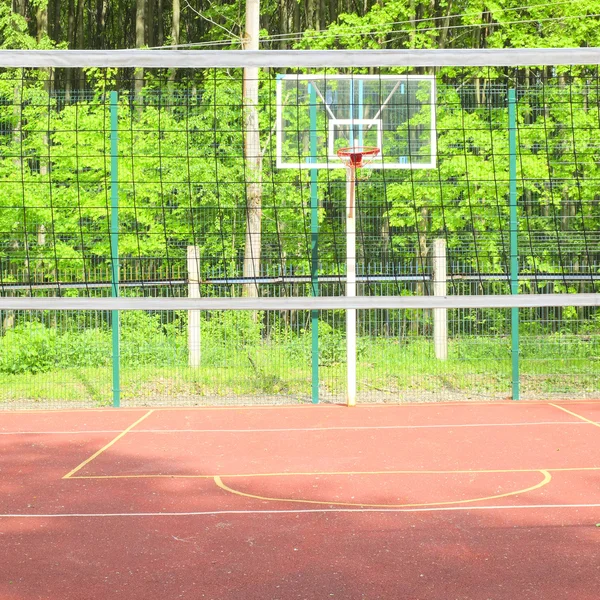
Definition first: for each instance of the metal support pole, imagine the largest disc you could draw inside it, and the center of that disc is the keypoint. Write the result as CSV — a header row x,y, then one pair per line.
x,y
350,286
514,249
114,244
314,246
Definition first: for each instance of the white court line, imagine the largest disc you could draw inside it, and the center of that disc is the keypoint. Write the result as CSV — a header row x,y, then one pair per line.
x,y
287,430
62,432
210,513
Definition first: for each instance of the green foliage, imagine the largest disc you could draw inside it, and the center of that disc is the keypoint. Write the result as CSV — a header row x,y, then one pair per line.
x,y
147,341
170,200
332,345
13,30
35,347
446,24
29,348
387,369
83,348
227,333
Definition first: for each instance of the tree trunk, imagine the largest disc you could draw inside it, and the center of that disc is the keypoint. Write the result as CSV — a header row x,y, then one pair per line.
x,y
297,16
421,252
283,22
140,40
101,9
71,46
175,31
42,31
310,14
81,42
17,141
176,24
150,23
79,27
443,31
18,7
41,235
252,155
413,23
322,15
41,17
160,38
54,20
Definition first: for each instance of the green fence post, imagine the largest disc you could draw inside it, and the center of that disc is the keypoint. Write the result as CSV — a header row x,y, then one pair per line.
x,y
314,245
514,249
114,245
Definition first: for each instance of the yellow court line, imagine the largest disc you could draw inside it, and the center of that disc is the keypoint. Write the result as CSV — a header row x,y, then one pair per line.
x,y
581,417
547,478
333,473
112,442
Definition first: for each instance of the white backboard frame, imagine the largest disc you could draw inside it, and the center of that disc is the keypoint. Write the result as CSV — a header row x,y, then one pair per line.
x,y
333,161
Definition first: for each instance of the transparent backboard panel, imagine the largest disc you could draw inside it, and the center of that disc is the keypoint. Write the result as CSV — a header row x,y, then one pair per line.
x,y
319,114
345,133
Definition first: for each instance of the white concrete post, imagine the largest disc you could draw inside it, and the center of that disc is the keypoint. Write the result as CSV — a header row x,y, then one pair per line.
x,y
440,315
193,271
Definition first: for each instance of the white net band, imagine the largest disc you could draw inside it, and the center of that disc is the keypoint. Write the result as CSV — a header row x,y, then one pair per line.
x,y
303,303
518,57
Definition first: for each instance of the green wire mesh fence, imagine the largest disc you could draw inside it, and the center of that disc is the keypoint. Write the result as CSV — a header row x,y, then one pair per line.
x,y
179,176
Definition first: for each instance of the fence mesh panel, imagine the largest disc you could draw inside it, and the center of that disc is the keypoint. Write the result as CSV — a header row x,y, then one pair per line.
x,y
109,176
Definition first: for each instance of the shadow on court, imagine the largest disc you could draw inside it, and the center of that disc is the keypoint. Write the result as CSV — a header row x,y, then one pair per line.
x,y
242,548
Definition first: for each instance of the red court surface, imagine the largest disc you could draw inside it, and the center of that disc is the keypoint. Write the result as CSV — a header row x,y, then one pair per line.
x,y
416,502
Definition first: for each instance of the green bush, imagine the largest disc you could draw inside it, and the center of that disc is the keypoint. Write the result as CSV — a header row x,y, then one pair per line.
x,y
37,348
332,345
228,332
28,348
146,340
84,348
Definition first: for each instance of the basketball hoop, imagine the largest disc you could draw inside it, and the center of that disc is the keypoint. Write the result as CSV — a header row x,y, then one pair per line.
x,y
358,156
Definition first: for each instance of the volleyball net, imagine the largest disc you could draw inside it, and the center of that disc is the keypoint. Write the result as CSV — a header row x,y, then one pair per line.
x,y
179,226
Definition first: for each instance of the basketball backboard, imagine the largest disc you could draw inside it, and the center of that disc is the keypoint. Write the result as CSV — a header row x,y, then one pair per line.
x,y
319,114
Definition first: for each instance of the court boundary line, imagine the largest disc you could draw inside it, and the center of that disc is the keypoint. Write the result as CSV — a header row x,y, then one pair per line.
x,y
304,429
303,405
106,447
212,513
546,480
334,473
581,417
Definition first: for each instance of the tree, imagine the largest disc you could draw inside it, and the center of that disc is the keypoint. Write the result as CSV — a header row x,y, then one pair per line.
x,y
252,154
140,41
